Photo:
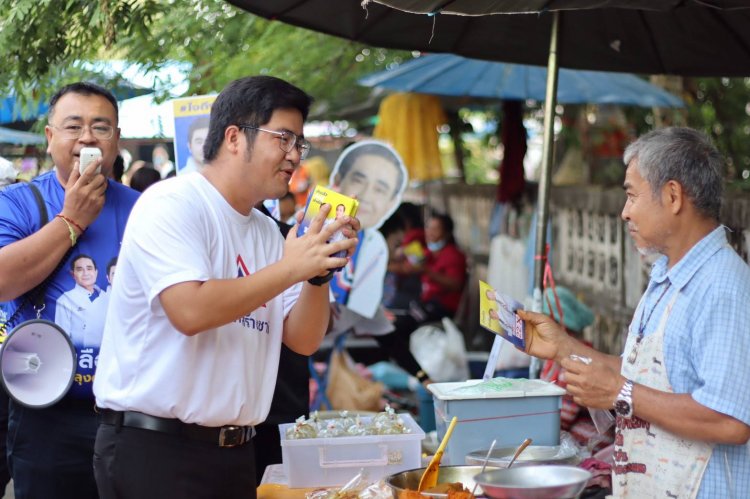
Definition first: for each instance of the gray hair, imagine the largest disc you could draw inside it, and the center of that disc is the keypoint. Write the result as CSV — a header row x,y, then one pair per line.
x,y
685,156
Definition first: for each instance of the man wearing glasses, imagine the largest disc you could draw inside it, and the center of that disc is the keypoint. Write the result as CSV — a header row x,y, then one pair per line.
x,y
207,290
51,449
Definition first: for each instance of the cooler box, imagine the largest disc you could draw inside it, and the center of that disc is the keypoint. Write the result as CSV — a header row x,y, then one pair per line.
x,y
324,462
524,409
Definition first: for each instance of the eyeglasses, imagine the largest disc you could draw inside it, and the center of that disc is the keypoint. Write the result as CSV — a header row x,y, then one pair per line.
x,y
74,131
287,140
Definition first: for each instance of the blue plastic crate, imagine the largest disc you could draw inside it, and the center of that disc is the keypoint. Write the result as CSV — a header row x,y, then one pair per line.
x,y
530,410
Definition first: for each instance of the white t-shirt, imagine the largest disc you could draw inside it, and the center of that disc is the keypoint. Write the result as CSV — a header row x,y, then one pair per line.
x,y
182,230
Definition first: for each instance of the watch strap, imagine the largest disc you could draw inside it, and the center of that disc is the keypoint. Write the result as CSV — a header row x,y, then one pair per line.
x,y
320,280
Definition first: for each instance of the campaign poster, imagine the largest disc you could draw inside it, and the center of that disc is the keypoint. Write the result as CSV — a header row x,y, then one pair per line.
x,y
191,118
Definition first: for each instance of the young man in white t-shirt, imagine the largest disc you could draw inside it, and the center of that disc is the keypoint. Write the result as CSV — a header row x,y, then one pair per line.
x,y
206,292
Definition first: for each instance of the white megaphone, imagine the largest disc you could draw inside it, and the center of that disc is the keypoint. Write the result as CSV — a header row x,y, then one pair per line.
x,y
37,363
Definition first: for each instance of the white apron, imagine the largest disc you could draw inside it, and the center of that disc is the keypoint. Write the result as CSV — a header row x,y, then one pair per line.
x,y
649,461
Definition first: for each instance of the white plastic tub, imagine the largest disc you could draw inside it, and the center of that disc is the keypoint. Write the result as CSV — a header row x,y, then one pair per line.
x,y
323,462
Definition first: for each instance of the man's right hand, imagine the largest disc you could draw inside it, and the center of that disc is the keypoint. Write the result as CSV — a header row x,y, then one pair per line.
x,y
309,255
545,338
84,194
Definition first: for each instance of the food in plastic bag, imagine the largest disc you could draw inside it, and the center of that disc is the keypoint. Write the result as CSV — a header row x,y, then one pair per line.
x,y
383,423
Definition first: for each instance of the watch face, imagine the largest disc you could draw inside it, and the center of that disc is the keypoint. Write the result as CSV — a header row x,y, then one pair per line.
x,y
622,408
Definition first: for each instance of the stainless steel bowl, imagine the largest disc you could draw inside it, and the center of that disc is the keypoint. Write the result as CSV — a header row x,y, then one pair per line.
x,y
534,482
532,455
409,480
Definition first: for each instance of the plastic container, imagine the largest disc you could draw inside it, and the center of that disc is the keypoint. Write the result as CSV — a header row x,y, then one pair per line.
x,y
529,409
426,409
324,462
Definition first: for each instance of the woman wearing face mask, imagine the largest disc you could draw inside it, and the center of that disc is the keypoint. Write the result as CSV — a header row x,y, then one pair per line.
x,y
444,273
443,277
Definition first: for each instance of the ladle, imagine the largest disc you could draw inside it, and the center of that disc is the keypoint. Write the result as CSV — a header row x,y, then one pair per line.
x,y
484,465
430,476
520,449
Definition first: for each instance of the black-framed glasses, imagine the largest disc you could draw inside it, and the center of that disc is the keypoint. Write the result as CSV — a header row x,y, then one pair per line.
x,y
287,140
74,131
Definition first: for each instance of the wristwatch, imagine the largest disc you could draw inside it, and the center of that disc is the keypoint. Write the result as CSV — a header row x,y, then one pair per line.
x,y
624,401
320,280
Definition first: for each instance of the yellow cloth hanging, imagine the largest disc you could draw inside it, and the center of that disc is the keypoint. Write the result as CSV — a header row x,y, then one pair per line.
x,y
409,122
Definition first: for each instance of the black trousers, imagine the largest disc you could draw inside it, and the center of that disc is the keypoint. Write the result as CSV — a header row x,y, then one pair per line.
x,y
130,463
50,450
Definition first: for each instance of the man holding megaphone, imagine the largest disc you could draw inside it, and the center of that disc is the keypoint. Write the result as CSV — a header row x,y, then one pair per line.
x,y
45,227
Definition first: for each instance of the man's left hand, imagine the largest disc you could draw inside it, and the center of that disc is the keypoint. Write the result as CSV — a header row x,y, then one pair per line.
x,y
594,385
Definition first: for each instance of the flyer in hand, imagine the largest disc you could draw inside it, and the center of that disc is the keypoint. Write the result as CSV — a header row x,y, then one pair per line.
x,y
497,313
340,205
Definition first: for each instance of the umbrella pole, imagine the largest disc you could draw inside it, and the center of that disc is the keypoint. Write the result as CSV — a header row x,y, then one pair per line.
x,y
545,176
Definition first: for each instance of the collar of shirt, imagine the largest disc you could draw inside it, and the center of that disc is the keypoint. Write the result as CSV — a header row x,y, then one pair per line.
x,y
683,271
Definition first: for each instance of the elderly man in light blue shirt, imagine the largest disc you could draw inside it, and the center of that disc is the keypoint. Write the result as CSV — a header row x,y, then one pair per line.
x,y
683,414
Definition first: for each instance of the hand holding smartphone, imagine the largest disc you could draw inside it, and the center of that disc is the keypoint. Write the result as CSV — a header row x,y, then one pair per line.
x,y
86,156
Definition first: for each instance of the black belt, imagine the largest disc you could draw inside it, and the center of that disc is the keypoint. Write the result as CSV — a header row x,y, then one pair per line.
x,y
223,436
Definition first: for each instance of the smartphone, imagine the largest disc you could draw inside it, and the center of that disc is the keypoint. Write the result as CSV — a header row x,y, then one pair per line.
x,y
87,155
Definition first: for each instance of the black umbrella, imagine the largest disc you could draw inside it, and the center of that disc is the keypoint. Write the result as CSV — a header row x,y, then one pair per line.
x,y
684,37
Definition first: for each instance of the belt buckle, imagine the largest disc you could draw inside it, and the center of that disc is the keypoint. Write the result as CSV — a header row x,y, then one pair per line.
x,y
231,436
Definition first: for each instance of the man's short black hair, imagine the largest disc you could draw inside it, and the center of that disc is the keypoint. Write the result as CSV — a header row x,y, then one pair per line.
x,y
80,257
83,88
251,100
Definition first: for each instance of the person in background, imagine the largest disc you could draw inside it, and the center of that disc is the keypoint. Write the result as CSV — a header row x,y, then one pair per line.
x,y
443,276
161,161
143,178
8,173
118,169
291,396
207,291
50,449
197,133
287,208
8,176
683,422
408,256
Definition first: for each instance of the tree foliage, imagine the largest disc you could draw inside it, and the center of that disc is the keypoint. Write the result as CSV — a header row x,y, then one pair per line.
x,y
41,41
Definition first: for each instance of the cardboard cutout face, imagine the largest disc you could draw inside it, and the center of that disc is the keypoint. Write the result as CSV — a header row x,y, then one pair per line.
x,y
372,172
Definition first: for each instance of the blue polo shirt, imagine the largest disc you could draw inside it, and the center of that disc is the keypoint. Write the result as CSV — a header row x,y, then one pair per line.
x,y
707,343
19,218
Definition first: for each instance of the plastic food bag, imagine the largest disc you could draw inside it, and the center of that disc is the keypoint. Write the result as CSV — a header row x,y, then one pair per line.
x,y
441,352
359,487
603,419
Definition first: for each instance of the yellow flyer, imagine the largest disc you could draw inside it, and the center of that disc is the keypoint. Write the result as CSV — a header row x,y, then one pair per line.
x,y
340,206
497,313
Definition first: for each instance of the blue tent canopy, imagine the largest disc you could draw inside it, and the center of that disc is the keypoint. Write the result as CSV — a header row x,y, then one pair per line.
x,y
8,136
11,109
452,75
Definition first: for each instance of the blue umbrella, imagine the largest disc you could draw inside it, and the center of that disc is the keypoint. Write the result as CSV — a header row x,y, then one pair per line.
x,y
452,75
8,136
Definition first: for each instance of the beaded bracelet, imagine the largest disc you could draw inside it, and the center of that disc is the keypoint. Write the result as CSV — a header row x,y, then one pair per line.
x,y
71,221
73,236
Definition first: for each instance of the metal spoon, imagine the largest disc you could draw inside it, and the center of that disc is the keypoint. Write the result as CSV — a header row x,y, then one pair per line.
x,y
489,453
520,449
